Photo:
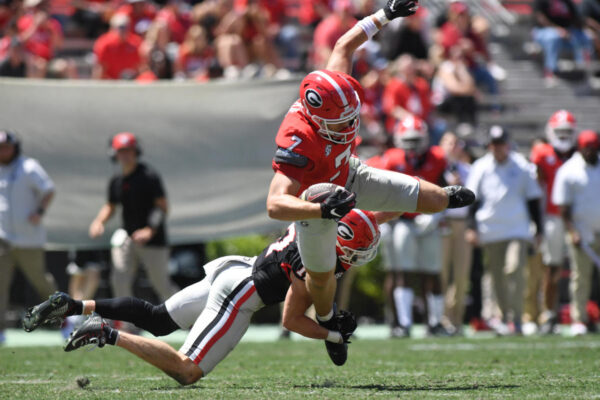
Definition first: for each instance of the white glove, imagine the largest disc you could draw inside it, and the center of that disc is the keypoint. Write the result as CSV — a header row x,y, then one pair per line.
x,y
427,223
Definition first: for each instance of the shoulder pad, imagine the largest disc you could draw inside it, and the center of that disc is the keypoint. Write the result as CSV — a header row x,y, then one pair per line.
x,y
285,156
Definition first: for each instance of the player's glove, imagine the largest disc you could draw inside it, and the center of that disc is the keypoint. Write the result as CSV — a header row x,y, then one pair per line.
x,y
459,196
338,204
346,322
400,8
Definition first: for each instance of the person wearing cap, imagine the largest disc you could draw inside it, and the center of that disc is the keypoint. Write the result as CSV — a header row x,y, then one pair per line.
x,y
117,51
26,191
508,199
138,189
576,192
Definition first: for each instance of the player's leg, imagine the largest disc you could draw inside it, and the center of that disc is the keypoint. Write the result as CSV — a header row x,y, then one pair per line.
x,y
7,267
462,259
316,244
156,260
516,254
32,264
580,288
406,264
231,303
391,276
162,356
554,251
125,264
430,258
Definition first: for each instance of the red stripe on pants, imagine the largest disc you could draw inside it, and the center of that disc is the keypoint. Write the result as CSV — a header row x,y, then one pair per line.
x,y
225,327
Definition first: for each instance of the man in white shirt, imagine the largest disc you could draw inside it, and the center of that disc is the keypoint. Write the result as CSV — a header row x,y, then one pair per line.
x,y
25,193
576,191
508,198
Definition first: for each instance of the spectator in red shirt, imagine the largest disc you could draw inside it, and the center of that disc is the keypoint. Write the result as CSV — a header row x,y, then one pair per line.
x,y
406,94
40,33
195,55
177,21
6,14
140,13
117,51
330,30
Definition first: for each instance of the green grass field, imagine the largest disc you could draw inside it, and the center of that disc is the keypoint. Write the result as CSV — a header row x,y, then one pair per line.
x,y
519,368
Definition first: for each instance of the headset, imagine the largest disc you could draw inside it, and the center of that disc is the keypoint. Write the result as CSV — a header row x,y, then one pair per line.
x,y
10,136
112,153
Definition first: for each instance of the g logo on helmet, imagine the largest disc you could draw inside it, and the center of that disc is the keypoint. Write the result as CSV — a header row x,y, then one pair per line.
x,y
344,231
313,98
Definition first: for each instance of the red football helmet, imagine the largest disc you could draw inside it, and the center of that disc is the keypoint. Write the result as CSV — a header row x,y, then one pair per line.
x,y
330,98
560,130
357,238
412,135
124,140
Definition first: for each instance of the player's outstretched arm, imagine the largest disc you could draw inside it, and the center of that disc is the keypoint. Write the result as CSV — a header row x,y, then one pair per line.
x,y
341,56
294,319
282,203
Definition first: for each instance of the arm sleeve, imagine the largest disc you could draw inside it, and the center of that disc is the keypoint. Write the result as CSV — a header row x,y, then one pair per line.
x,y
533,189
113,195
158,190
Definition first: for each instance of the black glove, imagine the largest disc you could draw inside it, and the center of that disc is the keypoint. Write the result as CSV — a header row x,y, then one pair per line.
x,y
459,196
346,322
338,204
400,8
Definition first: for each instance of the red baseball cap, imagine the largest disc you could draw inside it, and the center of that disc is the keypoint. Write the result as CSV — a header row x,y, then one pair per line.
x,y
588,138
124,140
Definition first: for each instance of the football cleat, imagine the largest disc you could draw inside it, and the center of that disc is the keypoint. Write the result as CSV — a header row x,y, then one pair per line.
x,y
459,196
58,306
92,331
338,352
438,331
400,332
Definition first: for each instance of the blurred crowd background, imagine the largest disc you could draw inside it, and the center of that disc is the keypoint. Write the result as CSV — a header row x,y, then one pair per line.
x,y
448,69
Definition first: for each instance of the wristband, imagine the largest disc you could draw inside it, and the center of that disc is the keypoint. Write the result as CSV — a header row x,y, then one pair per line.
x,y
156,217
334,337
381,17
368,26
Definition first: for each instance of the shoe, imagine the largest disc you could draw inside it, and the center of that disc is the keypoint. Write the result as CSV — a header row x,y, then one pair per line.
x,y
338,352
500,327
52,311
529,328
549,327
90,332
438,331
400,331
285,334
578,329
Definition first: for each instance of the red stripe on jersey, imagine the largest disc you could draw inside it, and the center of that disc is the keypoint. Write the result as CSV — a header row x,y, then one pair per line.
x,y
225,328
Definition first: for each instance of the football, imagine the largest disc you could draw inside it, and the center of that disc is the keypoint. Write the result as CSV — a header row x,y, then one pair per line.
x,y
318,192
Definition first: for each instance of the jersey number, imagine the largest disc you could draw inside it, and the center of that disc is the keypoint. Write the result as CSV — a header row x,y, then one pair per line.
x,y
284,241
341,159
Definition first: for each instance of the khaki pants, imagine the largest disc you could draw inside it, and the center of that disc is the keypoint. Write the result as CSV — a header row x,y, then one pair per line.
x,y
582,271
456,269
505,261
31,262
126,259
535,280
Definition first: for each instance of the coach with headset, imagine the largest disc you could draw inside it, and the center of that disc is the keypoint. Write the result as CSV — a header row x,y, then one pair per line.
x,y
139,190
26,191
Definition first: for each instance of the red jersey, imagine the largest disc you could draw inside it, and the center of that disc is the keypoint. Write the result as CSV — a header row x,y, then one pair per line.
x,y
304,155
430,167
415,98
40,43
118,56
548,162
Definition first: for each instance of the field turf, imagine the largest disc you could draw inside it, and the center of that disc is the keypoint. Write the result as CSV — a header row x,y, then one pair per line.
x,y
519,368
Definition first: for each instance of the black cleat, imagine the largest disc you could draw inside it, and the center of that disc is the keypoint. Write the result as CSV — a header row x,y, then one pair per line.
x,y
400,331
52,311
459,196
92,331
338,352
438,331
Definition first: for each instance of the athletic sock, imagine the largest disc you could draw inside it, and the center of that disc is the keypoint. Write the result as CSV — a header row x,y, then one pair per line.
x,y
403,298
435,306
111,334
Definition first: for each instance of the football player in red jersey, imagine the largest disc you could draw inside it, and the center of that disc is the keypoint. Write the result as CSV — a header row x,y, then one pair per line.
x,y
315,144
413,244
548,157
219,307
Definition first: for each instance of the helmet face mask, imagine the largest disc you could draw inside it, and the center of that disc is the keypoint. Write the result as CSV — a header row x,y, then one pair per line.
x,y
411,135
327,128
360,256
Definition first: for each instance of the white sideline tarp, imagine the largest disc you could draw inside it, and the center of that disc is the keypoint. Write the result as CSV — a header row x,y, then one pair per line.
x,y
212,143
